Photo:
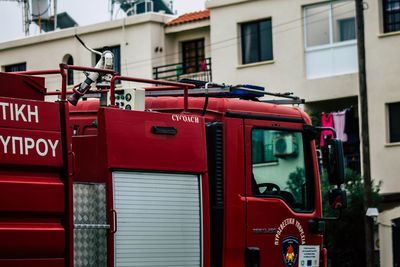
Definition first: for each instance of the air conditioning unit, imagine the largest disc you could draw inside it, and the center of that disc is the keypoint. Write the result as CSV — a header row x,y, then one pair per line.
x,y
285,146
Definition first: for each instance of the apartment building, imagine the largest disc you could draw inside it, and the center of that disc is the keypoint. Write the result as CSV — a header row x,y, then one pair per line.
x,y
307,47
157,42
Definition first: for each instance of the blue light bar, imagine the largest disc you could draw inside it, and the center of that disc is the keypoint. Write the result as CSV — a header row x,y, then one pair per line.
x,y
245,94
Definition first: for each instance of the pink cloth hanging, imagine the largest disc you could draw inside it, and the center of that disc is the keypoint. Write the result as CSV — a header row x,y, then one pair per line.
x,y
326,121
203,66
339,121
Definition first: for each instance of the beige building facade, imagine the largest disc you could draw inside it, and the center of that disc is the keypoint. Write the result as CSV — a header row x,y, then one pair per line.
x,y
314,55
139,43
384,103
307,47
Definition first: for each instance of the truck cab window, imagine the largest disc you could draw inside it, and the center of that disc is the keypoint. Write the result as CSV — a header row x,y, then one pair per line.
x,y
279,167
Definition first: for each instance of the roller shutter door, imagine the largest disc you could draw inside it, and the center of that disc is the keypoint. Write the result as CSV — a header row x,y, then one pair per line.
x,y
159,219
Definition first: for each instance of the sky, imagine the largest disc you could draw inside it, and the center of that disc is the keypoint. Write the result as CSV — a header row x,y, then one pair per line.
x,y
11,14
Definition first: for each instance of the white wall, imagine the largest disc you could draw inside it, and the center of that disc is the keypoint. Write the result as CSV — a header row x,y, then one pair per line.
x,y
137,37
175,39
287,72
383,79
385,235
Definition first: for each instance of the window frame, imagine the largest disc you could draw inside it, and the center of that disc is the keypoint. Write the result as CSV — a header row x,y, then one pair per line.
x,y
242,40
329,56
198,59
389,125
70,73
309,170
385,16
331,43
395,241
15,65
352,19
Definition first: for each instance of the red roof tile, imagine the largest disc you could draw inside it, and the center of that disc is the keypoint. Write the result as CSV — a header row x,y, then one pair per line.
x,y
189,17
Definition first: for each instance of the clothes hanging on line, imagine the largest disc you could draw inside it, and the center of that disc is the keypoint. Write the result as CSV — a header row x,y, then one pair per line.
x,y
326,121
351,127
345,124
339,123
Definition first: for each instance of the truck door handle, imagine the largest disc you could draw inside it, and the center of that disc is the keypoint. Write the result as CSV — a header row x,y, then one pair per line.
x,y
71,163
114,222
164,130
252,257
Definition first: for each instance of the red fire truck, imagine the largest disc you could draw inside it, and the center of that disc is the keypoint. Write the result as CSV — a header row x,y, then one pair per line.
x,y
214,177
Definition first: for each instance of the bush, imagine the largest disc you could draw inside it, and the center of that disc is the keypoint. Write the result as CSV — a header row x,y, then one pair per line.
x,y
344,239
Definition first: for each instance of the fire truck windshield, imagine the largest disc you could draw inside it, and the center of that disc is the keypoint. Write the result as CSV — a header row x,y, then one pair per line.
x,y
279,168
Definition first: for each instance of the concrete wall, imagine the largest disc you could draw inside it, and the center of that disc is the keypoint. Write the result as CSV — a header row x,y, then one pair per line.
x,y
137,37
385,236
177,34
383,57
383,80
287,72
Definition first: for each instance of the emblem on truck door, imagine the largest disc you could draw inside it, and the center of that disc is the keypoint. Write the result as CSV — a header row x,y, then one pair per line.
x,y
284,224
290,250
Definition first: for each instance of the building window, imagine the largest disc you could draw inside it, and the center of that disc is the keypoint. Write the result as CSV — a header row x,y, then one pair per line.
x,y
330,39
394,122
256,41
70,73
143,6
117,58
192,56
396,242
15,67
347,29
391,15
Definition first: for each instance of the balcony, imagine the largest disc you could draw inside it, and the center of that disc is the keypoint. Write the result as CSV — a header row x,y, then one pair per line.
x,y
191,69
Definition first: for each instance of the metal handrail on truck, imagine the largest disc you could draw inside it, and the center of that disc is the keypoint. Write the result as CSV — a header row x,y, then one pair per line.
x,y
63,93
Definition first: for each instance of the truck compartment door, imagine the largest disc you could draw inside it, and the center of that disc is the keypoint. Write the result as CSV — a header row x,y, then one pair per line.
x,y
159,219
90,224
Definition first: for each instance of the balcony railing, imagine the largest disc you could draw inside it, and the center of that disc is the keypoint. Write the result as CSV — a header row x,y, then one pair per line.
x,y
198,70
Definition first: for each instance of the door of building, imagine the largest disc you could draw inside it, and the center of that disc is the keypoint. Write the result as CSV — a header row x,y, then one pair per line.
x,y
192,55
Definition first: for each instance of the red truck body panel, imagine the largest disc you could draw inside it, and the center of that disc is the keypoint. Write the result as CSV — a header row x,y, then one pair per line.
x,y
22,86
33,262
32,192
48,150
243,212
121,134
220,106
130,131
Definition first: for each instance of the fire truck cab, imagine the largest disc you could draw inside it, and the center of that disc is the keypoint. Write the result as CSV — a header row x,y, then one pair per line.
x,y
186,181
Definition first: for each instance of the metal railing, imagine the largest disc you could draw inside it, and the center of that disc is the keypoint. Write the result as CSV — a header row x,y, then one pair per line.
x,y
192,69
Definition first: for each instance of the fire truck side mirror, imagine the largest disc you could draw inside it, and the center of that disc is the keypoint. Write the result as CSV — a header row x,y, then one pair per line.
x,y
337,198
334,161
